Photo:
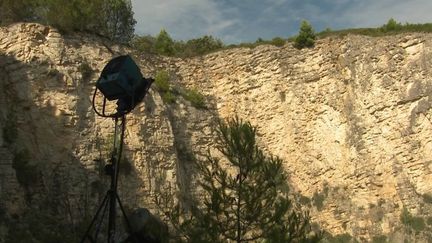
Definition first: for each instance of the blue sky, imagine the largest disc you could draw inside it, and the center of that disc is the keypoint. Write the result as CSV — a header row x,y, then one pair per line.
x,y
235,21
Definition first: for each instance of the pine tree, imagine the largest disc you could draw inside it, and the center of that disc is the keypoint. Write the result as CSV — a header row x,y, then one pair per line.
x,y
164,44
306,36
245,195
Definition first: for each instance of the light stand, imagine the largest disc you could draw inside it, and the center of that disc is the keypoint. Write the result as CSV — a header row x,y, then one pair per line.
x,y
121,79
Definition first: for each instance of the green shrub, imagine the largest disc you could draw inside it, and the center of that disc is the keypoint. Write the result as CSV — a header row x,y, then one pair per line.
x,y
200,46
416,223
429,220
304,200
144,44
277,41
306,36
163,86
379,239
196,98
427,198
85,70
169,97
341,238
164,45
162,81
391,25
110,18
318,200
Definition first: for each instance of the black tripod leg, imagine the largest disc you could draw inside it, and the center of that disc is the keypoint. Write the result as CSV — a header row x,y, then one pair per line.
x,y
86,235
124,214
102,218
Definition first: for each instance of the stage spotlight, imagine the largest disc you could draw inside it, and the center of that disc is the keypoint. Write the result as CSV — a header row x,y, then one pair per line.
x,y
121,80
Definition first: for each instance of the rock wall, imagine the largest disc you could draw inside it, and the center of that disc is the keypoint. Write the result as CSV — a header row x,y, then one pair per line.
x,y
351,118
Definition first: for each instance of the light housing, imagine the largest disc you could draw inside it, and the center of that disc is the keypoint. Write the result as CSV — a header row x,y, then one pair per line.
x,y
121,80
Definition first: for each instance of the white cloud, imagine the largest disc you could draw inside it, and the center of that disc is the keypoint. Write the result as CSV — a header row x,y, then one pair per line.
x,y
372,13
183,19
245,20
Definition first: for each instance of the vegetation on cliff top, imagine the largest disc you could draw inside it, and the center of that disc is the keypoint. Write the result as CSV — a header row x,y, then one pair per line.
x,y
163,44
109,18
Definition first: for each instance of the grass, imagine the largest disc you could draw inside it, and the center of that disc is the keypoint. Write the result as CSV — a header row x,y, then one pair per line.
x,y
162,82
195,97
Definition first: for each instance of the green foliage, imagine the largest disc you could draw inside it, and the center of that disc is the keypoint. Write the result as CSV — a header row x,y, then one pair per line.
x,y
379,239
341,238
391,25
416,223
144,44
164,45
163,86
199,46
246,199
16,10
196,98
111,18
427,198
304,200
27,174
169,97
85,70
119,23
390,28
318,200
429,220
277,41
162,81
306,36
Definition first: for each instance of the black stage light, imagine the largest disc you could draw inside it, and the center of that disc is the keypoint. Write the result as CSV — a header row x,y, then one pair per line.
x,y
121,80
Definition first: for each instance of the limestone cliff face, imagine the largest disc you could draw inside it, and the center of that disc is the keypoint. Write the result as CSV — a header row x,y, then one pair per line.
x,y
351,118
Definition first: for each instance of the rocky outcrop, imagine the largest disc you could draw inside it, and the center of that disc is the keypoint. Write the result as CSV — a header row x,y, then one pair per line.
x,y
351,118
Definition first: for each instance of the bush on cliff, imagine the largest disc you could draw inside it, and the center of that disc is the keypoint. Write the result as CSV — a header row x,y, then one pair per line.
x,y
306,36
245,196
110,18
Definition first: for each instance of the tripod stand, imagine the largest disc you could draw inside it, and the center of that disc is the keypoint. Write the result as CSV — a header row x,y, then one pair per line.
x,y
120,80
109,203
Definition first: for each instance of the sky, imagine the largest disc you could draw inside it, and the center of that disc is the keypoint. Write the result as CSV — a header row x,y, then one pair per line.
x,y
236,21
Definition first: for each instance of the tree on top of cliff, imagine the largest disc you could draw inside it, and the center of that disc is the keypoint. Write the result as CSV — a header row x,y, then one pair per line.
x,y
306,36
110,18
245,197
164,45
